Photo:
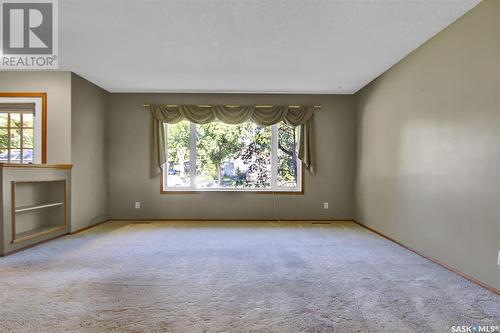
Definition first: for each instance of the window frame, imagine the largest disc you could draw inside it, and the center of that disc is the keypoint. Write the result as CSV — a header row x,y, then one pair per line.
x,y
298,190
40,100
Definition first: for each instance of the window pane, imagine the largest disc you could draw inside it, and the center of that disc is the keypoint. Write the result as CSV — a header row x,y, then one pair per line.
x,y
15,138
15,156
27,138
27,155
15,119
4,119
27,120
4,155
178,155
287,156
4,138
233,156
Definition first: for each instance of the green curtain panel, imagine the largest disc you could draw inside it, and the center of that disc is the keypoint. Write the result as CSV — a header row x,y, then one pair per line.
x,y
265,116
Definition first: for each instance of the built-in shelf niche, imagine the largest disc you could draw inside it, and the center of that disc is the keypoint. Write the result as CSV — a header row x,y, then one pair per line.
x,y
38,208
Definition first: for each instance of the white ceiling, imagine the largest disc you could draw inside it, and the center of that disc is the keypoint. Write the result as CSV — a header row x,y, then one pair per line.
x,y
287,46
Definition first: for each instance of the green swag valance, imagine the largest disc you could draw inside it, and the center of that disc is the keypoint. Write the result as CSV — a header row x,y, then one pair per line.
x,y
265,116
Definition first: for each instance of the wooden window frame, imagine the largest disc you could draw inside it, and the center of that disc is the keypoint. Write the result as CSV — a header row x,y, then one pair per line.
x,y
43,97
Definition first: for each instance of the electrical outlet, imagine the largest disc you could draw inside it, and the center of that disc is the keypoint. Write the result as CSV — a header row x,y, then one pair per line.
x,y
137,205
325,205
498,260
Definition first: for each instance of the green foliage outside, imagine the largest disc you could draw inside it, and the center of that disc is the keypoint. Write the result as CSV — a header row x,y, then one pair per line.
x,y
246,148
287,155
256,154
178,146
16,131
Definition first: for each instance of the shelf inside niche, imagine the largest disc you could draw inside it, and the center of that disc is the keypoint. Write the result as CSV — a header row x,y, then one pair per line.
x,y
28,208
33,233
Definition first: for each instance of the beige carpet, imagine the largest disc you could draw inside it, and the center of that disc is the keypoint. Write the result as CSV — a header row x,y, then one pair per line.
x,y
233,277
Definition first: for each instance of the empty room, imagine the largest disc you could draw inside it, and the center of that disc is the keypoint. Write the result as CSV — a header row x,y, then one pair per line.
x,y
185,166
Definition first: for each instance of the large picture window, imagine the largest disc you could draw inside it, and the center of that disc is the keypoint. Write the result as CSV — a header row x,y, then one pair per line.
x,y
221,157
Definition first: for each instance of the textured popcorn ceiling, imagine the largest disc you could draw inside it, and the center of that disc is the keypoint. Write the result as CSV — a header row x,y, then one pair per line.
x,y
267,46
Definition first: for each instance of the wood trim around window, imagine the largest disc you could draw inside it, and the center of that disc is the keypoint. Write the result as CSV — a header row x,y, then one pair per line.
x,y
301,192
43,97
31,166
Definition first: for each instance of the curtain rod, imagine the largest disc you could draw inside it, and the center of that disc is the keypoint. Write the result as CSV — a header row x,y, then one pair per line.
x,y
233,106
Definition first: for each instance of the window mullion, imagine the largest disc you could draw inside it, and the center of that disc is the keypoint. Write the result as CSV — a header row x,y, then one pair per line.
x,y
9,129
192,155
165,166
21,141
274,156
